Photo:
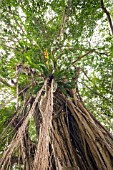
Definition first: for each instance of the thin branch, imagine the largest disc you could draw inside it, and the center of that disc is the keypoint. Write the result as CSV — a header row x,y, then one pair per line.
x,y
96,93
4,82
82,56
91,80
108,15
3,105
64,18
15,19
4,45
17,89
8,40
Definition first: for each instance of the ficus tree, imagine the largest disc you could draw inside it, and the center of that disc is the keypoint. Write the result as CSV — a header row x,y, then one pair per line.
x,y
56,81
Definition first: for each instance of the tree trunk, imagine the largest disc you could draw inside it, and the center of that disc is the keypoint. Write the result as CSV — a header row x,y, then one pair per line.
x,y
77,139
69,138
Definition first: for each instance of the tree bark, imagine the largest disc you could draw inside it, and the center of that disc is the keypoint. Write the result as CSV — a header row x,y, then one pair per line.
x,y
78,140
70,138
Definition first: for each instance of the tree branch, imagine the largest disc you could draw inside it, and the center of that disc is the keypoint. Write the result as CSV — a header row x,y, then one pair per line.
x,y
82,56
108,15
95,92
4,82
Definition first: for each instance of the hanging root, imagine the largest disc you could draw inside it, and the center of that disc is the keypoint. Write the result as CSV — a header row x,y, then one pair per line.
x,y
17,140
42,155
81,141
